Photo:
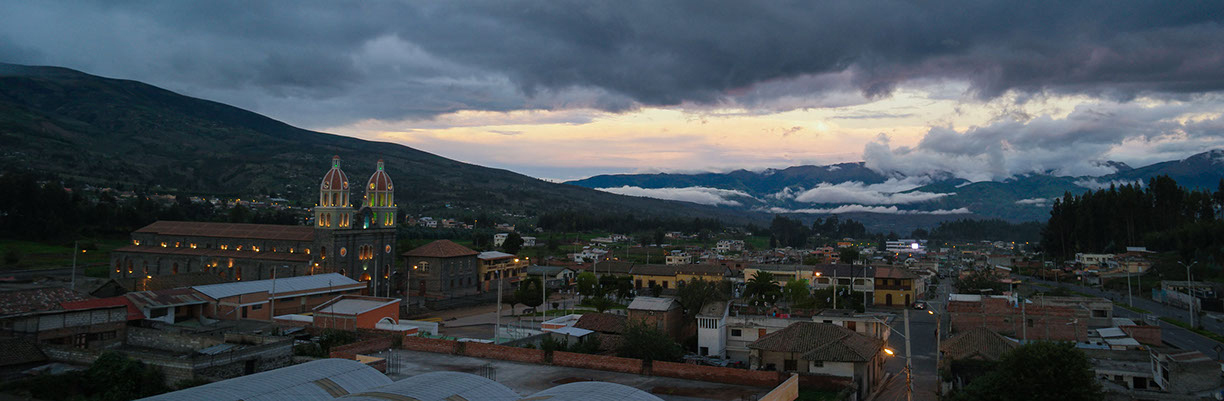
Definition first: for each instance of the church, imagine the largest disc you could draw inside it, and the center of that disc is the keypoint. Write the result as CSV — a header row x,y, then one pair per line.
x,y
356,242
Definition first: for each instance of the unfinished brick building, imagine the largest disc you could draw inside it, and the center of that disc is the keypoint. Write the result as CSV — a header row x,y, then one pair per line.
x,y
1034,321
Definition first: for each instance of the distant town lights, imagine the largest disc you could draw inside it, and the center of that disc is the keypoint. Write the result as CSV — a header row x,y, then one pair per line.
x,y
914,246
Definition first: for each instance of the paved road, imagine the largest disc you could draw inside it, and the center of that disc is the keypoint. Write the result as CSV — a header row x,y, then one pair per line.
x,y
1171,334
922,332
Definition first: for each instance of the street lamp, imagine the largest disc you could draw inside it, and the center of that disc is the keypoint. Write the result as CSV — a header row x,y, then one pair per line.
x,y
909,379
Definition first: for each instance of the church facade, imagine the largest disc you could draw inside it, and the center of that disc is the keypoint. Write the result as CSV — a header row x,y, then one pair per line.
x,y
356,242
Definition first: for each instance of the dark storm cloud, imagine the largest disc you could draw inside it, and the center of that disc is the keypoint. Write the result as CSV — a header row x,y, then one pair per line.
x,y
330,63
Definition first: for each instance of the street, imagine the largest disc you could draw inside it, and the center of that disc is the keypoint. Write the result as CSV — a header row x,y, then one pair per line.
x,y
922,332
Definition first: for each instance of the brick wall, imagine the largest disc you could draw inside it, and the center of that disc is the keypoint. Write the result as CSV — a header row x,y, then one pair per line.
x,y
429,345
490,351
586,361
1149,335
716,374
350,351
597,362
1049,322
69,354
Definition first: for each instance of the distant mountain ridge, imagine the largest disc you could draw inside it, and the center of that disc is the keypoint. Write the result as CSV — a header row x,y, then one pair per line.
x,y
118,132
1022,198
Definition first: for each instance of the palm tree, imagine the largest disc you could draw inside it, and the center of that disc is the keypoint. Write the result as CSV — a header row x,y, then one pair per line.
x,y
762,287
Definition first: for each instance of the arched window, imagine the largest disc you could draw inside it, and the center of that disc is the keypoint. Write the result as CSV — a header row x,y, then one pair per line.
x,y
129,263
174,269
335,199
365,277
145,270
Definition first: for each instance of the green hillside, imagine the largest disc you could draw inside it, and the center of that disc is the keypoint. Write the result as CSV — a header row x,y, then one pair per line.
x,y
128,134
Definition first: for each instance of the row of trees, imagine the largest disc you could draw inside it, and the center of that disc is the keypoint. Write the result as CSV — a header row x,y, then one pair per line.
x,y
976,230
1109,220
784,231
45,210
763,289
571,220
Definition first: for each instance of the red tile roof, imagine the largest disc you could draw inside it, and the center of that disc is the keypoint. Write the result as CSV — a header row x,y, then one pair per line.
x,y
821,342
132,312
23,302
441,249
606,323
230,230
218,253
977,343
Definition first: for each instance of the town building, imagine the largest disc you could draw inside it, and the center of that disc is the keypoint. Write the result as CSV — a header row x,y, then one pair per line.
x,y
1033,321
555,277
500,238
968,354
712,329
858,278
896,286
356,243
169,306
443,269
745,328
663,314
824,349
781,273
60,316
494,265
678,258
730,245
257,299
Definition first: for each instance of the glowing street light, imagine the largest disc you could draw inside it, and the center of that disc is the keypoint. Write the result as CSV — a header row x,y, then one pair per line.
x,y
889,352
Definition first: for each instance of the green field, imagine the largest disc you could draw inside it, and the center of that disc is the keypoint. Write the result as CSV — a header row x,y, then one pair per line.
x,y
32,255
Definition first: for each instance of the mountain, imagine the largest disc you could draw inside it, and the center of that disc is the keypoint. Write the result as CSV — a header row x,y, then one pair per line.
x,y
898,201
129,134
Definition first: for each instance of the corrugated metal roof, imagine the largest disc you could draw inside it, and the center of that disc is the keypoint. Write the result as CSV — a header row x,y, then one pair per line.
x,y
572,331
283,285
353,306
494,255
653,304
440,386
165,298
593,391
292,383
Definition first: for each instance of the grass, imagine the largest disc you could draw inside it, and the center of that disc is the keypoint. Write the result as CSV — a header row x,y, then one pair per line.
x,y
1201,332
41,255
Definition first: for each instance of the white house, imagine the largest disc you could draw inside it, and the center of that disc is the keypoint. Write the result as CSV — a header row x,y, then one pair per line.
x,y
730,245
712,329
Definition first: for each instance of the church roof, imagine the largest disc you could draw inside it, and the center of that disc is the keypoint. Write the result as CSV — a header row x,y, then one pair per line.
x,y
217,253
335,179
379,181
441,249
230,230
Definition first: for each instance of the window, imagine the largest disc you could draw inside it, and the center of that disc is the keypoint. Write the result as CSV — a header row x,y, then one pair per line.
x,y
257,307
1100,313
817,364
736,333
1029,322
387,249
789,365
343,251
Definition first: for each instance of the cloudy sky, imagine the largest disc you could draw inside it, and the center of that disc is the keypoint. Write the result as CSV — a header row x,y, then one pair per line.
x,y
558,89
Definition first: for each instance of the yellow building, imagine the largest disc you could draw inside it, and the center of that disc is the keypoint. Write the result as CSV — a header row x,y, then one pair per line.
x,y
712,273
499,264
646,276
896,286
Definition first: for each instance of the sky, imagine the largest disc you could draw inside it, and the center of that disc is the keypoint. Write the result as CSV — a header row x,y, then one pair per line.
x,y
562,90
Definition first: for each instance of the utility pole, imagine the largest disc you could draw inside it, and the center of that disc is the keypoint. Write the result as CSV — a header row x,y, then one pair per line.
x,y
497,326
1190,290
1130,299
74,257
909,377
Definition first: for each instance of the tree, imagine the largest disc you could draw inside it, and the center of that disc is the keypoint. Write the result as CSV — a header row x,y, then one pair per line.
x,y
553,244
648,343
588,284
848,255
601,304
513,243
658,236
797,292
656,290
1037,371
696,294
762,287
530,292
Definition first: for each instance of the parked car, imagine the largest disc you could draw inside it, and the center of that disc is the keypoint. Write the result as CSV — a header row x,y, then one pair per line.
x,y
920,305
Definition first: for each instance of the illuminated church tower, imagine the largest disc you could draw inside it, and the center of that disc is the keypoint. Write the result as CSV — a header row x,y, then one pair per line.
x,y
333,210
